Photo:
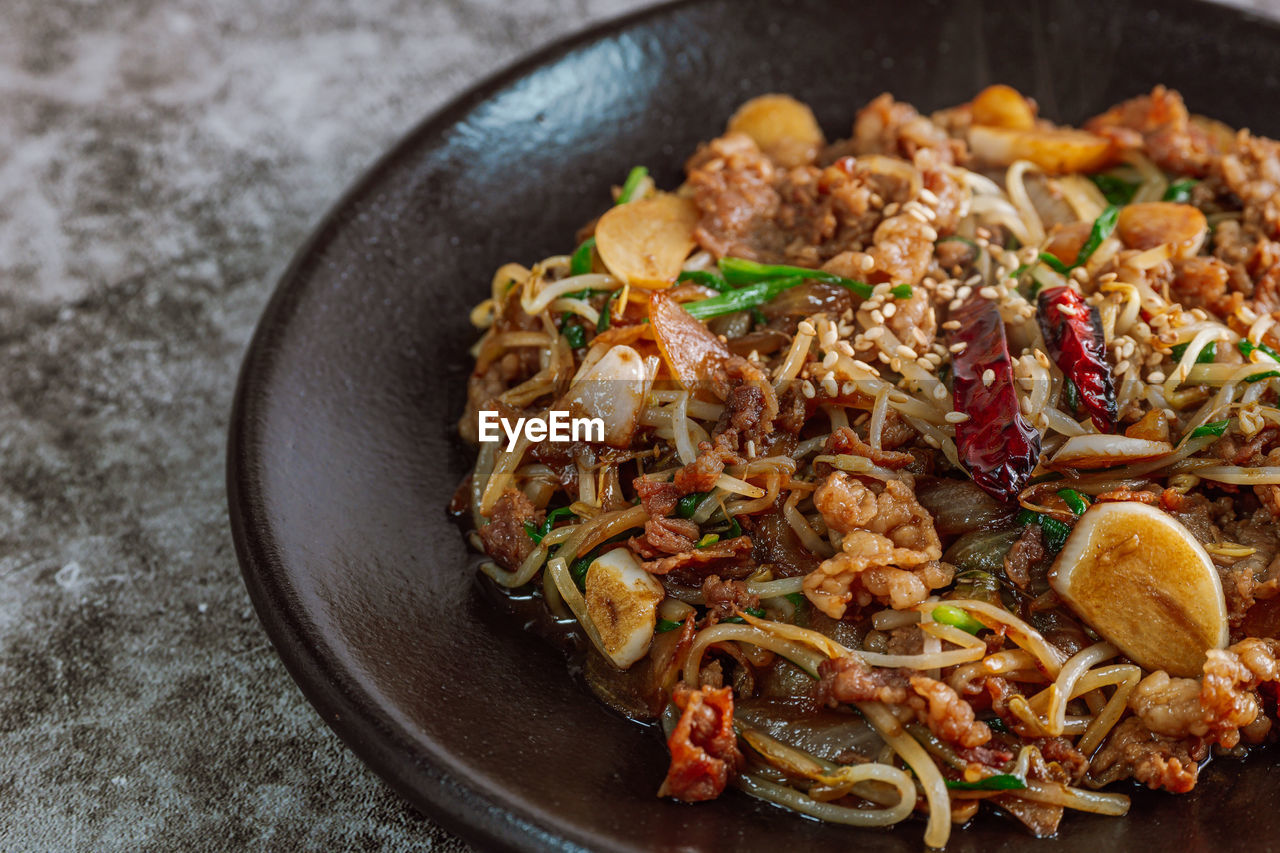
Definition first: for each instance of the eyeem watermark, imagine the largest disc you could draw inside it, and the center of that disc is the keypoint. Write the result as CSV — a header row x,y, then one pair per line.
x,y
554,426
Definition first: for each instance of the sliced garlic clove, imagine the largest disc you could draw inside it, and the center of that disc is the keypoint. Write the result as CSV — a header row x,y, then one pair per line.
x,y
1003,106
1142,581
783,128
1056,151
622,602
646,242
614,390
1157,223
1087,452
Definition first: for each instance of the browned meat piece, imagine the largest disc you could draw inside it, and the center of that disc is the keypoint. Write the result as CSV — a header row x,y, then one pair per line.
x,y
1071,763
664,536
744,411
504,537
1251,171
1041,819
1134,751
1160,124
720,552
949,717
733,185
776,544
724,598
704,746
659,498
845,440
890,550
1025,554
1202,282
849,679
1262,449
955,256
460,503
886,126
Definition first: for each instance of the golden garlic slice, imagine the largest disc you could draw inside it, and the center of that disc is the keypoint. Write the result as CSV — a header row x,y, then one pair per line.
x,y
622,601
1142,581
1056,151
645,242
1003,106
784,128
1155,223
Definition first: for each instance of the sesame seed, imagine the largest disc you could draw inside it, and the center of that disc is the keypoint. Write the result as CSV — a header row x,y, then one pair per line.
x,y
918,215
848,388
906,352
829,362
807,389
845,348
964,292
920,336
988,376
957,348
829,386
862,365
806,328
955,304
883,357
872,334
1155,377
830,336
1066,309
976,278
989,293
877,316
867,263
891,208
956,417
930,233
928,196
940,392
931,441
951,325
1042,359
1123,367
889,309
751,448
863,345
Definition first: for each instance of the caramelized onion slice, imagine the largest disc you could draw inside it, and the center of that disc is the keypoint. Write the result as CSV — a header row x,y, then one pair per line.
x,y
688,347
1088,452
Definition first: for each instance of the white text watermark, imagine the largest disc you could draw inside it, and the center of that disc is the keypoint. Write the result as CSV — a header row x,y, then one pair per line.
x,y
554,426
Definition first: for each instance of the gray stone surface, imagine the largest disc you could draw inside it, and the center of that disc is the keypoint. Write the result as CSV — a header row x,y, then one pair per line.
x,y
159,163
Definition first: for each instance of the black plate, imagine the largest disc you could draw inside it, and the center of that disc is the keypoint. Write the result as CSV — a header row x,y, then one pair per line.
x,y
343,451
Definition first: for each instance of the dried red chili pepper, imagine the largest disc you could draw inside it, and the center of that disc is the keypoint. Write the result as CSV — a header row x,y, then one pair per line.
x,y
1073,333
704,747
997,445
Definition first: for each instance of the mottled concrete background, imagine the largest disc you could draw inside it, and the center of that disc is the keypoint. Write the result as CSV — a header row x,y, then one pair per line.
x,y
159,162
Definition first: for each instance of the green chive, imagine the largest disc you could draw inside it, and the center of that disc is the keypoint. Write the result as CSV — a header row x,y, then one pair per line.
x,y
797,599
950,615
1180,190
603,323
1055,533
632,183
901,291
1215,428
536,533
1206,356
1075,500
740,271
998,782
1053,263
1247,347
705,278
735,529
580,261
688,505
665,625
1102,228
996,725
578,569
1258,377
573,333
1117,191
1072,393
758,318
532,530
707,539
742,299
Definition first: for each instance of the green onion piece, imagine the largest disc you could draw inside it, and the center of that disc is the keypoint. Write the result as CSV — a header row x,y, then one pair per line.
x,y
758,318
665,625
735,529
1258,377
1017,274
1102,228
533,532
632,183
603,323
1215,428
574,334
688,505
797,599
1206,356
1053,263
1075,500
705,278
742,299
740,271
954,616
1180,190
901,291
996,725
1247,347
750,611
1116,190
998,782
580,260
757,612
1025,517
578,569
1055,533
707,539
536,533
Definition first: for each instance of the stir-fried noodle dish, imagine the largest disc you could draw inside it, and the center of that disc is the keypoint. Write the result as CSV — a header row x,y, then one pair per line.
x,y
935,466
